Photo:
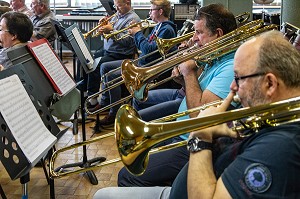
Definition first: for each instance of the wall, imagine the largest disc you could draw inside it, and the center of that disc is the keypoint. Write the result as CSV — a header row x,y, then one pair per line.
x,y
235,6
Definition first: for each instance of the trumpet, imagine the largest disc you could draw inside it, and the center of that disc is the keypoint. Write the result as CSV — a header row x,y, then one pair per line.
x,y
137,79
242,18
102,23
116,34
135,138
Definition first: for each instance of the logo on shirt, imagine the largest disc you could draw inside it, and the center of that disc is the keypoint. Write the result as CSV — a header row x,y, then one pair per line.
x,y
258,178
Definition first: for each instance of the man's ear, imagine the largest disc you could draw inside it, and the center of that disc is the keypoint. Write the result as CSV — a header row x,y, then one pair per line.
x,y
271,84
219,32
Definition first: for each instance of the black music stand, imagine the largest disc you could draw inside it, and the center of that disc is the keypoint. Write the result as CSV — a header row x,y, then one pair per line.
x,y
79,46
63,40
22,168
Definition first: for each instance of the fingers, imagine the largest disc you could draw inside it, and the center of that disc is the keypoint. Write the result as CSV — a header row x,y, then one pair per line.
x,y
227,101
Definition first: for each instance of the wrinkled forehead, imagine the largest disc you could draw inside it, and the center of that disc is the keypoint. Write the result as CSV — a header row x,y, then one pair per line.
x,y
246,57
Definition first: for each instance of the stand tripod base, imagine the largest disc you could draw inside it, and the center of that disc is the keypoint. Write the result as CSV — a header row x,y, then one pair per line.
x,y
91,175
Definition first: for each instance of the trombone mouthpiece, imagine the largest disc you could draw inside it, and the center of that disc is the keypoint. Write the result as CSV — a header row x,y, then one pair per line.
x,y
237,99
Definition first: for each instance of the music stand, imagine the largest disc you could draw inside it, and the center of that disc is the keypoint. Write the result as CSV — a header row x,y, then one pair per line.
x,y
22,167
79,46
109,6
62,37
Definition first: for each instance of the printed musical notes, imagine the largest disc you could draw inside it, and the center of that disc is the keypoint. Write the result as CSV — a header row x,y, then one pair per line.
x,y
58,75
86,53
23,119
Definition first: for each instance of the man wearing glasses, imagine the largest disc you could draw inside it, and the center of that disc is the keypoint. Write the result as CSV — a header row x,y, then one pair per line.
x,y
42,27
210,83
15,31
113,49
159,12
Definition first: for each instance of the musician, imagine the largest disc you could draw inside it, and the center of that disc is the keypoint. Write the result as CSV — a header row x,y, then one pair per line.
x,y
264,165
159,12
42,26
211,22
15,31
113,49
20,6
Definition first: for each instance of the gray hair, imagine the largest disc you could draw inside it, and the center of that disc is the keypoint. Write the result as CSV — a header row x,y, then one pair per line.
x,y
45,2
280,57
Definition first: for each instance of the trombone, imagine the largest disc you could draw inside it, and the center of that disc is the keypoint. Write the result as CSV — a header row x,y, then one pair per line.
x,y
102,23
137,79
135,138
164,45
115,34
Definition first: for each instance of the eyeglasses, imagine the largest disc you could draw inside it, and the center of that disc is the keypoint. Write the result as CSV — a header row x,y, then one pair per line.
x,y
150,10
236,79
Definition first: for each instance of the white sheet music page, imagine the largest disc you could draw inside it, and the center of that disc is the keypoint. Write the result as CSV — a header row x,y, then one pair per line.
x,y
54,67
86,53
23,119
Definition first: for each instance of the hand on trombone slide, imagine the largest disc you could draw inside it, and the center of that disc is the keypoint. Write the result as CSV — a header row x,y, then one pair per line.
x,y
222,130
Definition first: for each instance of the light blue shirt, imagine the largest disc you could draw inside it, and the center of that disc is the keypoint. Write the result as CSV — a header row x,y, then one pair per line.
x,y
216,78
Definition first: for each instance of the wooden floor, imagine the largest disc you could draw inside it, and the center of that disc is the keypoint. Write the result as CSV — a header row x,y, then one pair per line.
x,y
76,186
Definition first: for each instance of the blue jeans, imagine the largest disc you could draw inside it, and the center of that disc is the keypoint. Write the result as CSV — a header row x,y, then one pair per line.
x,y
114,94
160,103
94,77
162,168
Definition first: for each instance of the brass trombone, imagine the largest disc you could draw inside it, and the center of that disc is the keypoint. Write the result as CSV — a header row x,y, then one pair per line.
x,y
135,138
164,45
102,23
115,34
57,173
242,18
136,78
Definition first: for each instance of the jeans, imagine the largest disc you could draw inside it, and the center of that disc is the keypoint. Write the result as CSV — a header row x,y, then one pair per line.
x,y
133,192
114,94
162,168
160,103
94,77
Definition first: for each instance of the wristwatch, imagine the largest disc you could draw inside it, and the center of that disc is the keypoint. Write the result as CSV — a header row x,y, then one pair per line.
x,y
195,144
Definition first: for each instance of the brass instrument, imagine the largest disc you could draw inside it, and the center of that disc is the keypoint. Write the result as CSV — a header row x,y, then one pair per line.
x,y
135,138
102,23
57,173
242,18
137,78
115,34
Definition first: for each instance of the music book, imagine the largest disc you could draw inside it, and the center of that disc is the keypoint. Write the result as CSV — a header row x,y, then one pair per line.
x,y
86,53
23,120
52,66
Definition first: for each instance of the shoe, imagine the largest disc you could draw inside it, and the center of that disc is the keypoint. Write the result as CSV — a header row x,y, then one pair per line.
x,y
108,120
96,107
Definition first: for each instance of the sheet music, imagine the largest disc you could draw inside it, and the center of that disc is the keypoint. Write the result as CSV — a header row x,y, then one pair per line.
x,y
54,67
23,119
86,53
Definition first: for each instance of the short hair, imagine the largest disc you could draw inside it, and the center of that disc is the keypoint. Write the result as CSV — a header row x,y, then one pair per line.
x,y
217,16
18,24
165,5
45,2
280,57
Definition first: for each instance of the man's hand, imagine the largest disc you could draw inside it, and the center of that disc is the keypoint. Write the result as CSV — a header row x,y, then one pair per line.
x,y
221,130
177,76
187,68
134,29
106,28
1,67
